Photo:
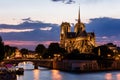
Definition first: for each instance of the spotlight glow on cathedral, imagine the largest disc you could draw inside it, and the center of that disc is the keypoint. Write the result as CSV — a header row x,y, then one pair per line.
x,y
79,39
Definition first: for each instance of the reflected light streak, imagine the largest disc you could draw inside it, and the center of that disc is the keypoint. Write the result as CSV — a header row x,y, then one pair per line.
x,y
118,76
56,75
36,74
20,77
108,76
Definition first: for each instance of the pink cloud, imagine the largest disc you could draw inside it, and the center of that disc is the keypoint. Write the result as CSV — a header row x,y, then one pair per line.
x,y
32,44
27,44
102,42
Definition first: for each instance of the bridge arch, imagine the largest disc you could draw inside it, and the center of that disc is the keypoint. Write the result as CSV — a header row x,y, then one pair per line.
x,y
16,62
36,62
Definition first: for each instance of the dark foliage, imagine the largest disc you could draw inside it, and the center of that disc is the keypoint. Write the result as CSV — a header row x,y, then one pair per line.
x,y
2,50
104,51
76,55
9,50
40,49
104,61
24,51
54,48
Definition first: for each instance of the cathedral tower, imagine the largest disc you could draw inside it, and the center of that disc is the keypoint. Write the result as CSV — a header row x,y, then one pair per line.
x,y
79,26
64,29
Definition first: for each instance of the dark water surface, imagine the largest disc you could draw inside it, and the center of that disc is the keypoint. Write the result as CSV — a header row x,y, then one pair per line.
x,y
46,74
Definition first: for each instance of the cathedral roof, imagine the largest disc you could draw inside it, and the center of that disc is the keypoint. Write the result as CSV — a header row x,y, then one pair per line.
x,y
71,35
91,33
82,34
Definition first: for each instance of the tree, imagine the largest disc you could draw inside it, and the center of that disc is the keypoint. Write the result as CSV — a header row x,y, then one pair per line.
x,y
24,51
9,51
103,51
104,56
13,49
74,55
2,50
53,48
40,49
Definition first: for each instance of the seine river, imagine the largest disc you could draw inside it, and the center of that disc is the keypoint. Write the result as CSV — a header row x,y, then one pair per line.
x,y
45,74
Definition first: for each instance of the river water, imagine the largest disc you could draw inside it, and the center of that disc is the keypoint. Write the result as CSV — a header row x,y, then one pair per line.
x,y
46,74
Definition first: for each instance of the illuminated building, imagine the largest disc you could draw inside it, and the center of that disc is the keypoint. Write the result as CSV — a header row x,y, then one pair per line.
x,y
79,39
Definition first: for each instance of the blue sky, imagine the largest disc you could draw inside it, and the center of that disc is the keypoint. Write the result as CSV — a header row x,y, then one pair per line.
x,y
26,23
12,11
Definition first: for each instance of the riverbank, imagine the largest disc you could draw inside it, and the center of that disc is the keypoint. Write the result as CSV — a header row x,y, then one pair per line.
x,y
81,66
6,74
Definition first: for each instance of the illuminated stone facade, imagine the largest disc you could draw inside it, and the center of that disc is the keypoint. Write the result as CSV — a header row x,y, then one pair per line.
x,y
79,39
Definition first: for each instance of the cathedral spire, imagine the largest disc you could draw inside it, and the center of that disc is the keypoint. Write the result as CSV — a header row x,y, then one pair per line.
x,y
79,15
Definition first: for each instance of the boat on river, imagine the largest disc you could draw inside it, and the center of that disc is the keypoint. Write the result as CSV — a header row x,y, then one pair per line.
x,y
19,71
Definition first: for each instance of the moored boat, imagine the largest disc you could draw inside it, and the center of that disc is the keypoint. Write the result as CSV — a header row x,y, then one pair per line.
x,y
19,71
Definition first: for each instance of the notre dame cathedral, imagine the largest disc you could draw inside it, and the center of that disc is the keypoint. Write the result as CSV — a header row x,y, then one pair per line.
x,y
79,39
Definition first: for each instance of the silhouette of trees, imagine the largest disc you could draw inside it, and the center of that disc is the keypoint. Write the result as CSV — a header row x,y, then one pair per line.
x,y
9,50
54,49
2,50
104,56
103,52
24,51
76,55
40,49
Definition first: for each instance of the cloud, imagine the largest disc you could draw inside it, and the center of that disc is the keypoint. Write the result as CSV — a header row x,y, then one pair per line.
x,y
80,1
2,30
65,1
104,37
30,21
27,44
106,29
92,1
104,26
30,32
46,28
57,0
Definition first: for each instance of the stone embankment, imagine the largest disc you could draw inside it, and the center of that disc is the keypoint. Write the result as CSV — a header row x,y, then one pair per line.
x,y
79,65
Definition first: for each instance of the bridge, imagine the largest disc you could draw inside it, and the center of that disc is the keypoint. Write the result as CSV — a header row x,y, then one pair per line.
x,y
36,62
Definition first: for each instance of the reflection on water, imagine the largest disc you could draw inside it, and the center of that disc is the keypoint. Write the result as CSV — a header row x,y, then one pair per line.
x,y
20,77
118,76
44,74
108,76
36,74
56,75
112,76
